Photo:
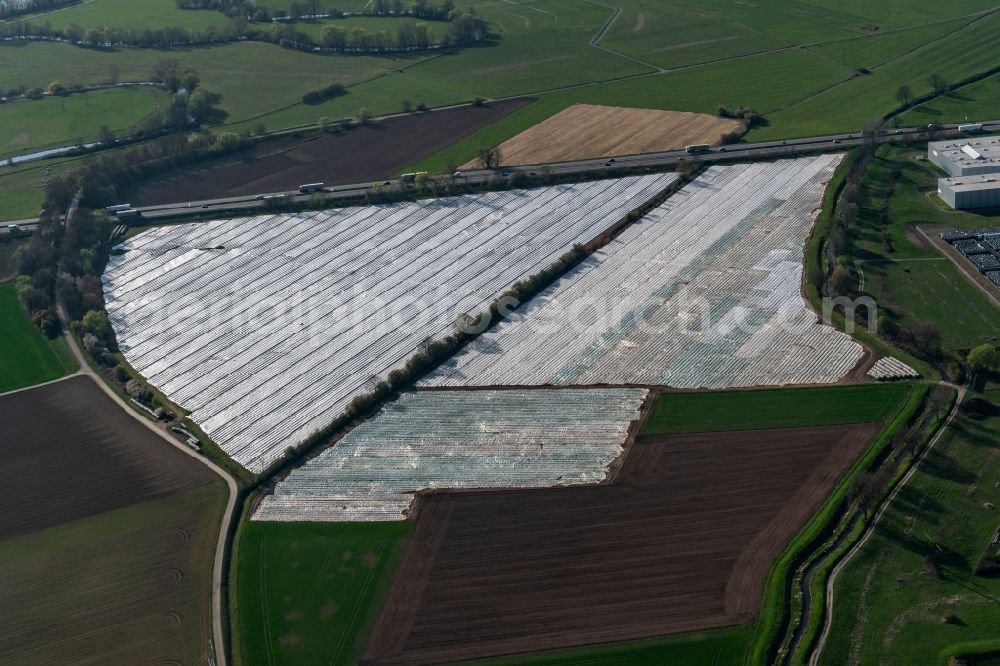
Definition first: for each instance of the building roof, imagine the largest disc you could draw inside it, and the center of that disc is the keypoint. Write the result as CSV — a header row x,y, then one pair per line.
x,y
971,151
988,181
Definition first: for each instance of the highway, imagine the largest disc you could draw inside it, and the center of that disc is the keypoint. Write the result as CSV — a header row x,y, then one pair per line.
x,y
333,194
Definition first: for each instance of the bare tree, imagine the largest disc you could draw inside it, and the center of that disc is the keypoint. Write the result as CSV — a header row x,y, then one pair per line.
x,y
841,281
167,71
938,83
927,337
114,73
490,158
903,94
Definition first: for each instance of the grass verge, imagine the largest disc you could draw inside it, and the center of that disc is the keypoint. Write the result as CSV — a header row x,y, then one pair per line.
x,y
911,594
775,603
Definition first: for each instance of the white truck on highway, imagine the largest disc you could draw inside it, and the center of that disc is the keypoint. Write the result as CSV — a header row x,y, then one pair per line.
x,y
117,208
970,127
411,178
698,148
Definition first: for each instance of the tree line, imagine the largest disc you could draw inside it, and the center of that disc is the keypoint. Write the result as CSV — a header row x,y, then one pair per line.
x,y
464,28
251,11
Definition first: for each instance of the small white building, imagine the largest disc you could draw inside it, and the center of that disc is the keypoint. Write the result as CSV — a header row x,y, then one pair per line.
x,y
971,191
967,156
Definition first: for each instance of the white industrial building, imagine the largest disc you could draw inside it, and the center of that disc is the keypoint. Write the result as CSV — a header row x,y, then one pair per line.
x,y
967,156
971,191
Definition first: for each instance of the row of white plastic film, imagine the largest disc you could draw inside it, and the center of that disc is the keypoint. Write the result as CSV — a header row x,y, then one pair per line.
x,y
705,291
265,328
515,438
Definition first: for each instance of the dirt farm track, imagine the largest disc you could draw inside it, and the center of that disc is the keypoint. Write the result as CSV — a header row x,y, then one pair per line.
x,y
681,540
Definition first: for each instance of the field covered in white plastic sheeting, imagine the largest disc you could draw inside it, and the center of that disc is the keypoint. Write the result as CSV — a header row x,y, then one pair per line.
x,y
521,438
702,292
266,327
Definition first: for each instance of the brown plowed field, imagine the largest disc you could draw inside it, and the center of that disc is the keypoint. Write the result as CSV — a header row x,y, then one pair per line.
x,y
360,155
69,452
107,535
587,131
680,541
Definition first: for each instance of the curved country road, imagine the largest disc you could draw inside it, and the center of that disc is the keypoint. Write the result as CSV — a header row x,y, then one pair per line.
x,y
217,636
828,615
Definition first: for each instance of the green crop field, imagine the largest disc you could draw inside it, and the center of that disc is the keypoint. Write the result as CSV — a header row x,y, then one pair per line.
x,y
115,585
912,281
888,604
710,648
307,592
976,101
708,411
27,125
27,358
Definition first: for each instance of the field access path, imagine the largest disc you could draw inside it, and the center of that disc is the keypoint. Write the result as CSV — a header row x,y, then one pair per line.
x,y
227,516
870,530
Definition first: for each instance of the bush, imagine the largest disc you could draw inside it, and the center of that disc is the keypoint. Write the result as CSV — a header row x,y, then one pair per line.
x,y
138,391
323,94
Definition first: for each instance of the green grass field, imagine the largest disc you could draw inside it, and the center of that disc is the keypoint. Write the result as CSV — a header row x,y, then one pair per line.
x,y
976,101
708,411
914,282
27,358
150,14
253,78
886,605
708,648
862,100
544,50
873,50
306,593
22,185
390,24
764,82
28,125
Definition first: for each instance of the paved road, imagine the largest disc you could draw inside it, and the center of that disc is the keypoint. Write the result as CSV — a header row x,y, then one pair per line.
x,y
340,193
761,150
